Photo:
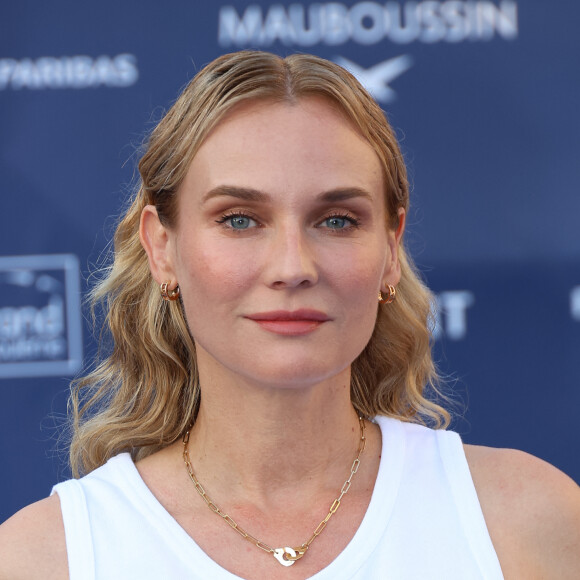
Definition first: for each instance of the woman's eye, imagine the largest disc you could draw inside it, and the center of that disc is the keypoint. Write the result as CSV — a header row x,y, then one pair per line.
x,y
237,221
339,222
240,222
336,223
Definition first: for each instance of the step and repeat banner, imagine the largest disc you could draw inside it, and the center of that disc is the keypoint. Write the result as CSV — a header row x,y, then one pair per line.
x,y
484,97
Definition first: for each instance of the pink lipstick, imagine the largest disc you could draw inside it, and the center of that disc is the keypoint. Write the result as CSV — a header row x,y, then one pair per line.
x,y
290,323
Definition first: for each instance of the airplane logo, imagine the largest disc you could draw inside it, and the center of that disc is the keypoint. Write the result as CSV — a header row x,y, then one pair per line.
x,y
377,78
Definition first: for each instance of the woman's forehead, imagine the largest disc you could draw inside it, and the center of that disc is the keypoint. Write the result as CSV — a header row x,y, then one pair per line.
x,y
281,147
273,111
270,136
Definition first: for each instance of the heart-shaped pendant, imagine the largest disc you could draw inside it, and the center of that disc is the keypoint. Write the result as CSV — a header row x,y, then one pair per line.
x,y
279,554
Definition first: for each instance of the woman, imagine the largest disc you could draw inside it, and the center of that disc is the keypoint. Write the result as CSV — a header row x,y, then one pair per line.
x,y
270,359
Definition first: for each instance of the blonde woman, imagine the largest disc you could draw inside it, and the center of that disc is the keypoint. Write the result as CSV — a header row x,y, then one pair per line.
x,y
263,411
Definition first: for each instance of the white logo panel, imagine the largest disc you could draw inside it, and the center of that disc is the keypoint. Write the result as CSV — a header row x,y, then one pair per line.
x,y
40,316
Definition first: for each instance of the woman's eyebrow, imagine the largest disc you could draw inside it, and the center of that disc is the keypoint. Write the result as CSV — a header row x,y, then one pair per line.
x,y
344,193
255,195
245,193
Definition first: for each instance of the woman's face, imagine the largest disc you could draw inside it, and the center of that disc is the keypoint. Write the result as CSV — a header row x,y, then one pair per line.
x,y
280,246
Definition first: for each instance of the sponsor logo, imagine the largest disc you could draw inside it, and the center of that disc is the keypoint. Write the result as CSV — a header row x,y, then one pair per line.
x,y
377,78
367,23
451,314
40,316
575,303
68,72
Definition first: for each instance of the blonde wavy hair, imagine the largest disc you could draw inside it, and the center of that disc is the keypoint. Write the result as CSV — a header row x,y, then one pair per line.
x,y
145,393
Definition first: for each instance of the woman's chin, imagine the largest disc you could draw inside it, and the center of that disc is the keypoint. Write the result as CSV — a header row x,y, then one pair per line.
x,y
296,377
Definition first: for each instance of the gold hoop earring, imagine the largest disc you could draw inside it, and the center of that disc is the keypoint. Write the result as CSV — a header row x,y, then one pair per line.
x,y
167,295
390,298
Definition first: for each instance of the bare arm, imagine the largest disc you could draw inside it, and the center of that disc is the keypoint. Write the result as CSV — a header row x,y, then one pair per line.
x,y
532,512
32,543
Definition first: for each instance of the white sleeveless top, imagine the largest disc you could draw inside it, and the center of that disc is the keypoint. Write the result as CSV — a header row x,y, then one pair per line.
x,y
424,521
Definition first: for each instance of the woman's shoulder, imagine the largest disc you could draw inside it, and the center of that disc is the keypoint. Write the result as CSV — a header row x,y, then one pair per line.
x,y
532,511
32,543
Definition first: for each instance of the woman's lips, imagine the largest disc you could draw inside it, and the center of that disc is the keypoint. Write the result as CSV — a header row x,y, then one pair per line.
x,y
295,323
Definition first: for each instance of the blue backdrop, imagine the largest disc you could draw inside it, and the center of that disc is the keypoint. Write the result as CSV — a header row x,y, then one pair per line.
x,y
484,96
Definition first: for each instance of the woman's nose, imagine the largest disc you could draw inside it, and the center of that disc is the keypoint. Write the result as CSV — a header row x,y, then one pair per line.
x,y
292,262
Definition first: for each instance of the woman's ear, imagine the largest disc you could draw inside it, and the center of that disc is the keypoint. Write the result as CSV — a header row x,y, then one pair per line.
x,y
401,227
392,273
156,242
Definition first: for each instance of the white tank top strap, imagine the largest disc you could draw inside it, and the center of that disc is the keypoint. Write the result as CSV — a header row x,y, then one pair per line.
x,y
79,544
469,508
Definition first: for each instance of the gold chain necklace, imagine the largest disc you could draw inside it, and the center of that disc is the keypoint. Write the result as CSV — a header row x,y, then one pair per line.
x,y
286,556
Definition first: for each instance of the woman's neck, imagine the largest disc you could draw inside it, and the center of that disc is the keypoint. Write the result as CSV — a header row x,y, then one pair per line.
x,y
264,441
